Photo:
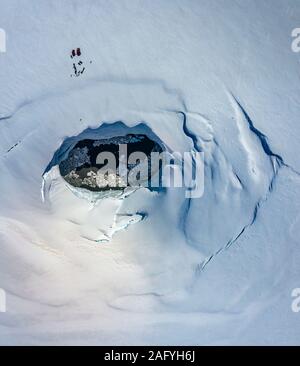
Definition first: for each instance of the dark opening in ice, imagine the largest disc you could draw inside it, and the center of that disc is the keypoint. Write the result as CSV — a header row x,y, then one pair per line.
x,y
81,168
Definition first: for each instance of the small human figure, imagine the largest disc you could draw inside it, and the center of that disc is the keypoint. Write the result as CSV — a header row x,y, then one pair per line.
x,y
77,70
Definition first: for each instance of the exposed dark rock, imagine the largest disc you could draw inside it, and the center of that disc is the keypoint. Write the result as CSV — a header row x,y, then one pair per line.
x,y
80,168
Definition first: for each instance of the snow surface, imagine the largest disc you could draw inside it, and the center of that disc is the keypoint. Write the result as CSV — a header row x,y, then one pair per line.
x,y
151,267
